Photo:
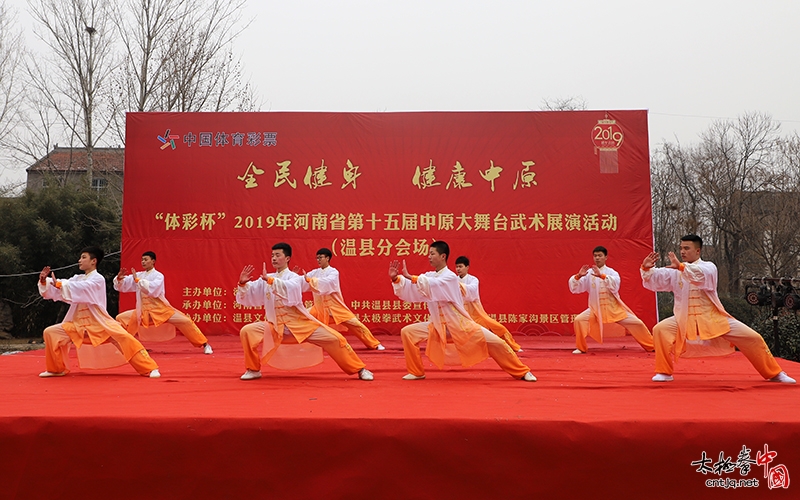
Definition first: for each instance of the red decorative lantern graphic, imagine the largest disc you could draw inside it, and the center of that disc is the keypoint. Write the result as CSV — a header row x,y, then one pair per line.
x,y
607,137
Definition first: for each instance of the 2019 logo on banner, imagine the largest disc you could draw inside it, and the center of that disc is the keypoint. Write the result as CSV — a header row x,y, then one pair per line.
x,y
607,137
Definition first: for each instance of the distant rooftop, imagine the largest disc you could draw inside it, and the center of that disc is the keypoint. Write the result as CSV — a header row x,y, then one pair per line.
x,y
75,160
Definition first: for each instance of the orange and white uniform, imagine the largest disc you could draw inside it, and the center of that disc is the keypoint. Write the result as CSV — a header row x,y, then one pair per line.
x,y
605,307
153,308
287,322
329,306
701,326
448,318
87,319
473,306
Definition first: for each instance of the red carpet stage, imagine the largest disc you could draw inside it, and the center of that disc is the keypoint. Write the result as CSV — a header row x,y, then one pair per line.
x,y
594,426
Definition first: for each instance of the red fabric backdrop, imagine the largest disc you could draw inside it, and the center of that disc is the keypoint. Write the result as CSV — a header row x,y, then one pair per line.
x,y
525,195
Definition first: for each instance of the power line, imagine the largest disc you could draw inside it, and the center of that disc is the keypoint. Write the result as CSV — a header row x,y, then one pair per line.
x,y
36,273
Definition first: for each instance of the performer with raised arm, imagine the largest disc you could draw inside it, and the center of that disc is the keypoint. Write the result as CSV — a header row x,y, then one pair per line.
x,y
605,305
329,306
700,319
472,303
87,319
448,318
287,320
152,307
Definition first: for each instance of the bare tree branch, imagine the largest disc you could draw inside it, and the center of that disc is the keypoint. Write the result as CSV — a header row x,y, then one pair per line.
x,y
12,52
70,79
573,103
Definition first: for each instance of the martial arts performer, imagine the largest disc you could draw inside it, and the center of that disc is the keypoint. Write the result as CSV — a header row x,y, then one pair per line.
x,y
152,307
287,320
441,291
329,306
700,321
87,319
605,305
472,303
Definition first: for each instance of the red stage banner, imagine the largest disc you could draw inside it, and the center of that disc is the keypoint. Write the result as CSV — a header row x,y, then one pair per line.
x,y
525,195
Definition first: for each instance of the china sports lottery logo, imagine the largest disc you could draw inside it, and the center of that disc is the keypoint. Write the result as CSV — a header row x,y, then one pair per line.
x,y
167,140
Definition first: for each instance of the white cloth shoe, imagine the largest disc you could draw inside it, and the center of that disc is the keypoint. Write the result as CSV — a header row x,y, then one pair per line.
x,y
411,376
207,349
52,374
662,377
529,377
251,375
578,351
365,374
783,378
380,348
155,374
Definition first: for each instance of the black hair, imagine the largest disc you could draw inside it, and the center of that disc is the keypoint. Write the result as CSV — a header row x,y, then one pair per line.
x,y
694,239
95,253
462,260
287,249
442,248
326,252
601,249
150,254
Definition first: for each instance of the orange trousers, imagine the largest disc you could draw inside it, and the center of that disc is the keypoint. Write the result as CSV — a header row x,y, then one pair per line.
x,y
363,333
633,324
57,343
252,336
499,351
182,322
746,339
498,329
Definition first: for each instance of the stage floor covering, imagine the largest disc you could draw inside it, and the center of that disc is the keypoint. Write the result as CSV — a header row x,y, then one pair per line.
x,y
594,426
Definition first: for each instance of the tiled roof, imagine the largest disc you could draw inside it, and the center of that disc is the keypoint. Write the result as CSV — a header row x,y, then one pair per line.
x,y
75,159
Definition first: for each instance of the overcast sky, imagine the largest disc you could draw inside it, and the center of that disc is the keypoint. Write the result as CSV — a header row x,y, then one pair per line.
x,y
687,62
